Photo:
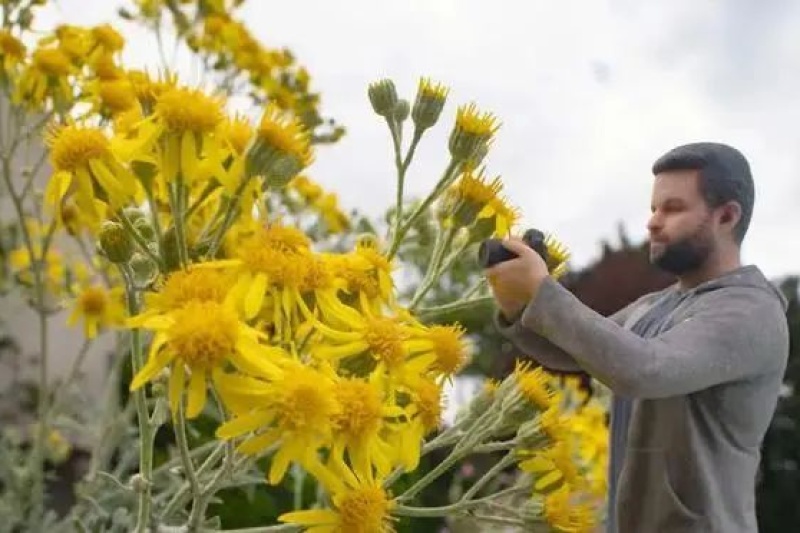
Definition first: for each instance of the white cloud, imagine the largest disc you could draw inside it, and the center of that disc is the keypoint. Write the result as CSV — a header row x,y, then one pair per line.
x,y
589,94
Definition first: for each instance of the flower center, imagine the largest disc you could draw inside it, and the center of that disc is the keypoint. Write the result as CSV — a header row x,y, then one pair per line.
x,y
93,301
72,147
385,338
191,110
361,415
448,347
364,510
203,334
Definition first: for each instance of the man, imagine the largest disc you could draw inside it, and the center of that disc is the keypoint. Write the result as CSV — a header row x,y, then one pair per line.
x,y
695,369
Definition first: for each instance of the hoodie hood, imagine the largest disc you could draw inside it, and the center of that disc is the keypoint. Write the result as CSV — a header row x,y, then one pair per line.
x,y
744,276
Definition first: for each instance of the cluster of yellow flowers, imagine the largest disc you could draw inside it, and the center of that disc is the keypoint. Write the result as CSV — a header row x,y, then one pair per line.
x,y
309,352
211,29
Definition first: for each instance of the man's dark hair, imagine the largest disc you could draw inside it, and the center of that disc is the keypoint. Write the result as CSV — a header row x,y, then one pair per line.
x,y
724,176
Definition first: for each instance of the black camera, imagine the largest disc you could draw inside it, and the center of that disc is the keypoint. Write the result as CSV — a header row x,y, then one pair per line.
x,y
492,251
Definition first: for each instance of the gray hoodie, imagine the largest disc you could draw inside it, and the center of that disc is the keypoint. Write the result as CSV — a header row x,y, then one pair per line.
x,y
700,388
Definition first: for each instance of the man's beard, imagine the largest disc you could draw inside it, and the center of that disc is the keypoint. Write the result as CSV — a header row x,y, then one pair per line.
x,y
687,254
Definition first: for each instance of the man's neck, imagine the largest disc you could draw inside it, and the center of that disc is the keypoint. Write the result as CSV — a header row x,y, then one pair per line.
x,y
716,266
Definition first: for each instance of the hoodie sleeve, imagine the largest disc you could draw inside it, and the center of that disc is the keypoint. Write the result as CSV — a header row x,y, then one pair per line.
x,y
539,348
729,334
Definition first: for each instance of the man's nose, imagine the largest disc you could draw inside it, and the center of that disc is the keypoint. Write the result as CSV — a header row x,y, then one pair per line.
x,y
655,223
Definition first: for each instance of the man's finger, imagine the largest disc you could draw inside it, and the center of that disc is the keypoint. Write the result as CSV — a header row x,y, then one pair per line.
x,y
517,246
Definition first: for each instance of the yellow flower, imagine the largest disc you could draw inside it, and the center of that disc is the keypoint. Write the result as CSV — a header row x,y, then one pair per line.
x,y
448,349
360,504
99,308
282,147
45,77
472,132
55,270
358,426
557,256
534,385
273,264
201,336
12,51
114,96
82,156
295,408
551,465
424,412
565,514
368,275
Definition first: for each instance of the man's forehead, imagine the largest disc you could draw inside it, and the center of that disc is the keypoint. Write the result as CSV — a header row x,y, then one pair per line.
x,y
676,184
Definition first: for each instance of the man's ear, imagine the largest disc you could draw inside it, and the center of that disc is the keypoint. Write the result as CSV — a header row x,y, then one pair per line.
x,y
731,213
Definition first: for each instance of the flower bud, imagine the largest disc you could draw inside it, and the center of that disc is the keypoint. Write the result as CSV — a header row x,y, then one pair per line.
x,y
401,111
428,104
471,134
144,270
115,242
145,229
383,97
133,214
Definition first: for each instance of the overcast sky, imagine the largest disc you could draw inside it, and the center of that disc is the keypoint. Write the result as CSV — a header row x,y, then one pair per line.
x,y
589,94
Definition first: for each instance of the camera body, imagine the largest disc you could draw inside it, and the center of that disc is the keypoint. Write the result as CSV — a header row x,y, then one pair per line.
x,y
492,251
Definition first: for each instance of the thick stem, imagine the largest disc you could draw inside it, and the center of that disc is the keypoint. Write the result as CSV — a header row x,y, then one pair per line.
x,y
228,220
176,201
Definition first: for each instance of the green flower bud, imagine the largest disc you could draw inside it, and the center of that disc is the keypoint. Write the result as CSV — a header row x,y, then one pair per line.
x,y
145,229
428,104
383,97
134,214
472,134
144,270
401,111
115,242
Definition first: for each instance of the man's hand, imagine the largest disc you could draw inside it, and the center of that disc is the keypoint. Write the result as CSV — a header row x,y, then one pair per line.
x,y
515,282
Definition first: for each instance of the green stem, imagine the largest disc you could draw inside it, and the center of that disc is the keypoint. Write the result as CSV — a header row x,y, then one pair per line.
x,y
179,499
151,201
183,449
228,220
402,168
432,313
146,433
139,240
176,195
459,506
434,272
498,467
447,177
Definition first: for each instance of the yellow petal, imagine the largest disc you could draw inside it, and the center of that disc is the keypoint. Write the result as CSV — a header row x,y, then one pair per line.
x,y
197,393
244,424
176,384
188,157
255,296
312,517
255,445
56,188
